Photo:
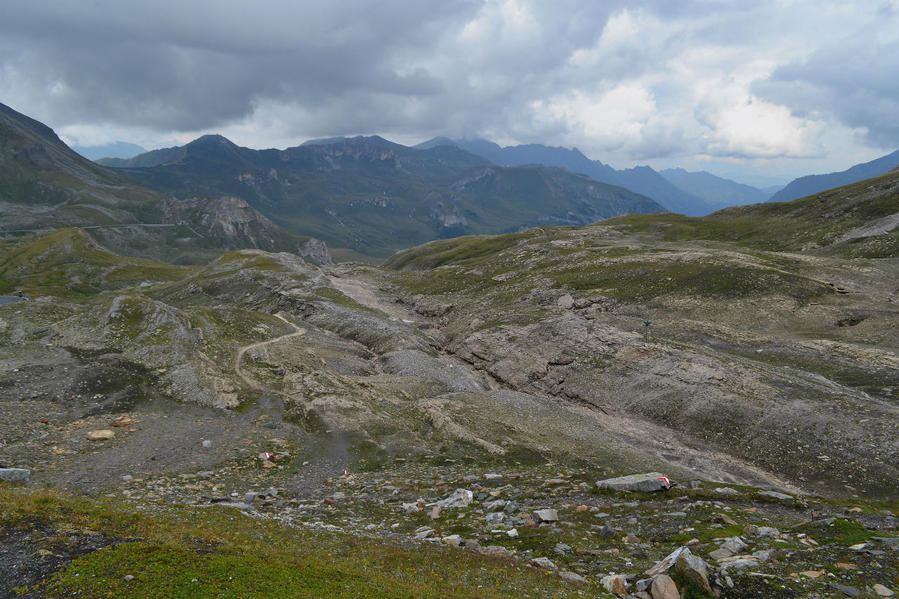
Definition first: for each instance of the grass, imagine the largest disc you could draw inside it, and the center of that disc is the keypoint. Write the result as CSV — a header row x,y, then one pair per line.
x,y
218,552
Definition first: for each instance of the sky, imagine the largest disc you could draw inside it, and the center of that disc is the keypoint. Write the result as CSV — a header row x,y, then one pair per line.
x,y
760,91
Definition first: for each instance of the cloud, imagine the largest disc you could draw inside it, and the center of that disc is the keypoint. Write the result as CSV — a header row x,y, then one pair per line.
x,y
855,81
624,82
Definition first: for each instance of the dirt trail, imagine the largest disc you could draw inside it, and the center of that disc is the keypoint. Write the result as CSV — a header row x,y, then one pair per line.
x,y
362,293
298,331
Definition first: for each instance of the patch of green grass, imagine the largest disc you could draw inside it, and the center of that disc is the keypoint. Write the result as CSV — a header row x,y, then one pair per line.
x,y
221,553
643,281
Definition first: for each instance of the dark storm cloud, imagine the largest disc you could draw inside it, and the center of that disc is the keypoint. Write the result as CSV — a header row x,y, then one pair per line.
x,y
623,81
190,66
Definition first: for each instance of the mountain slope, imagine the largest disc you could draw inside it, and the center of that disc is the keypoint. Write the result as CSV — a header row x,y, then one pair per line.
x,y
721,329
46,185
857,220
374,196
716,191
642,179
804,186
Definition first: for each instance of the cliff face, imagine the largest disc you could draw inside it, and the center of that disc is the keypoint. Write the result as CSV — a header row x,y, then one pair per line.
x,y
230,223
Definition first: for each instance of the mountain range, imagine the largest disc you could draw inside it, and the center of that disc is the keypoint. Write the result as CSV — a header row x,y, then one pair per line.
x,y
808,185
374,196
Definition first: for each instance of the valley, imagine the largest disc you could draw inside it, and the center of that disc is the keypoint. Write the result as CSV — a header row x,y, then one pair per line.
x,y
436,425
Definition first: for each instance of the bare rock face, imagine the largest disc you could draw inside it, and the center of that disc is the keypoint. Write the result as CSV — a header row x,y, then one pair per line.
x,y
315,251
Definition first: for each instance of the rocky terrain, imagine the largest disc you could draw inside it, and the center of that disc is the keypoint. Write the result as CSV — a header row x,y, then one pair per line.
x,y
464,401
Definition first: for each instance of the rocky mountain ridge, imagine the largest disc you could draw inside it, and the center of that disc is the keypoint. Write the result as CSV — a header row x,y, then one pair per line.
x,y
45,185
374,196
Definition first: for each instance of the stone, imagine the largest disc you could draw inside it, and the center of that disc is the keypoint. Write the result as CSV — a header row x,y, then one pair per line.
x,y
667,563
726,491
694,570
512,534
614,583
15,475
206,443
763,555
495,551
647,483
607,532
543,562
883,591
568,576
546,515
663,587
423,533
128,577
630,540
453,540
812,573
123,421
126,478
566,302
459,498
846,589
725,519
103,434
562,548
410,508
494,518
731,546
775,495
738,562
767,531
496,505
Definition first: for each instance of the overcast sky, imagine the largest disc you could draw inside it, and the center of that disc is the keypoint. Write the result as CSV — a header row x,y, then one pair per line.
x,y
754,90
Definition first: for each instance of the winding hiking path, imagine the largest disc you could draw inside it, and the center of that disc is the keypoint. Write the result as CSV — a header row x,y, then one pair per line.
x,y
298,331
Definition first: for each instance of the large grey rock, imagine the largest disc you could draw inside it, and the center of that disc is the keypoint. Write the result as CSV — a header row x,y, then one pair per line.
x,y
547,515
694,570
543,562
649,482
775,495
459,498
15,475
667,563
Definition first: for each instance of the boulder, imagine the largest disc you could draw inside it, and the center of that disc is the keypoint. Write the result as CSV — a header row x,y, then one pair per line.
x,y
459,498
543,562
547,515
614,583
667,563
775,495
566,302
663,587
647,483
15,475
694,570
572,577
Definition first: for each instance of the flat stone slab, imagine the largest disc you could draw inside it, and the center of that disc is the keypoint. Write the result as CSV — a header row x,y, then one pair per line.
x,y
647,483
15,475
